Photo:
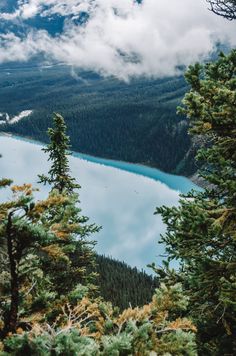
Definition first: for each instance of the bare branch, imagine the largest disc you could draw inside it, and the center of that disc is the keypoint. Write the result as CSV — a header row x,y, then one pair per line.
x,y
224,8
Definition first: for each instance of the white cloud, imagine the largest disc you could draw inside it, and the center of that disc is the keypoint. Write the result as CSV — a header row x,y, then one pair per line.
x,y
30,8
121,38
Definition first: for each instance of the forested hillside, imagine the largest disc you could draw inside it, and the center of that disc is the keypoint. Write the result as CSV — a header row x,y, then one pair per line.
x,y
134,121
118,283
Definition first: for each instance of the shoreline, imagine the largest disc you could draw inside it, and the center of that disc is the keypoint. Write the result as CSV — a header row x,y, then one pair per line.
x,y
115,163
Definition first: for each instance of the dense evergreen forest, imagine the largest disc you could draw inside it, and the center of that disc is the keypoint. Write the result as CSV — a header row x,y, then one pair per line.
x,y
112,273
134,121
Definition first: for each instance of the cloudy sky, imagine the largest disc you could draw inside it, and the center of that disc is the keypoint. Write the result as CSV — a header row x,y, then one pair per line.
x,y
120,37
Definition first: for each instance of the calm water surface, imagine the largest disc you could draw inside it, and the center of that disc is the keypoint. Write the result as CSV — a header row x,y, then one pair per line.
x,y
119,196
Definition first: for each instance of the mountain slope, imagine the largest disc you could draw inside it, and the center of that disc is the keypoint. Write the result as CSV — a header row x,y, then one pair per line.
x,y
122,285
134,121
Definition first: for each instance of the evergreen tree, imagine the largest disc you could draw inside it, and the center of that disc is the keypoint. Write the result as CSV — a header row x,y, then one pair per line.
x,y
39,240
201,232
94,328
58,149
82,269
24,242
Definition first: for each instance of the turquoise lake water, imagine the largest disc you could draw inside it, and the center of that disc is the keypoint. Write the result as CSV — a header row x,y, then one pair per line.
x,y
119,196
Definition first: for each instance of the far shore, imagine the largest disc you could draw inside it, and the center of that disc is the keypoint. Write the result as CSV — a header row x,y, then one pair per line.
x,y
107,161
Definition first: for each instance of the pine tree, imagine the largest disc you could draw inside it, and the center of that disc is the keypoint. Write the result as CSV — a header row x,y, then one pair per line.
x,y
201,232
24,242
81,270
93,327
58,149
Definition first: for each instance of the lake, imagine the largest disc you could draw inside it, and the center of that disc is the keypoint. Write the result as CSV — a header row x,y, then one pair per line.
x,y
119,196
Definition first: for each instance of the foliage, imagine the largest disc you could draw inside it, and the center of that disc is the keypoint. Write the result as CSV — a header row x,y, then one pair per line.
x,y
5,182
59,174
37,240
24,242
117,283
74,226
79,266
94,328
201,232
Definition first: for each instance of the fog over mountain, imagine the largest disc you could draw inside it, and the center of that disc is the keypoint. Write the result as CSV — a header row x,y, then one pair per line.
x,y
123,38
